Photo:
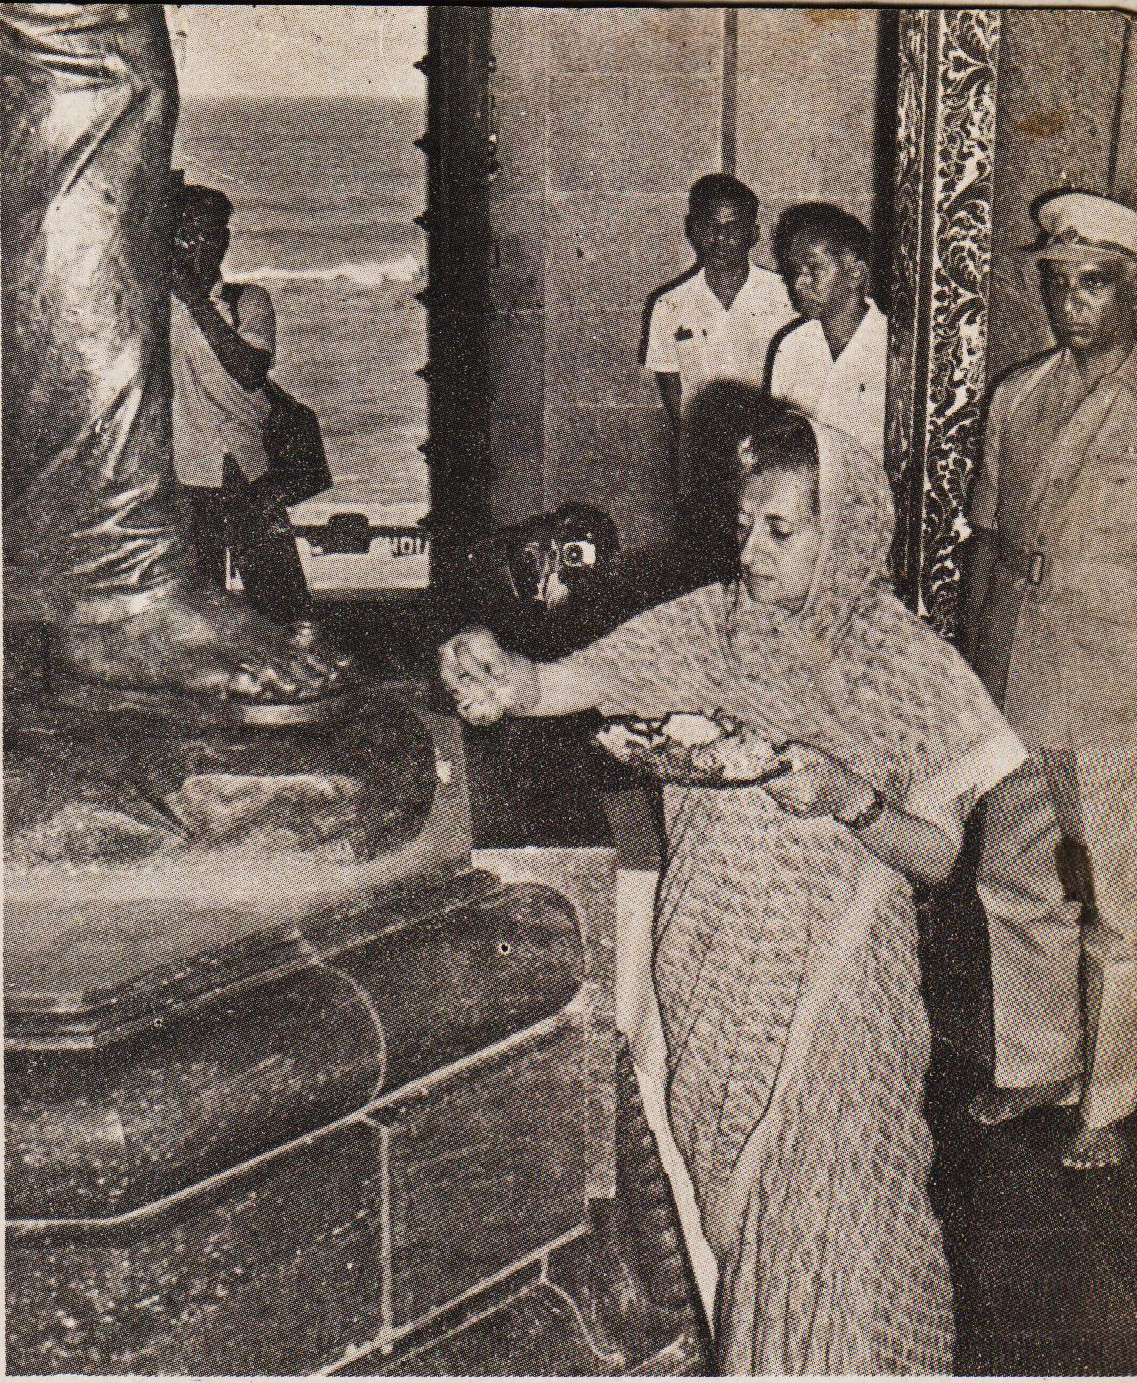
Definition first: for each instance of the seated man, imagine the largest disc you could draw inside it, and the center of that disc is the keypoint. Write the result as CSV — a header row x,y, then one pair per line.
x,y
834,365
222,343
719,323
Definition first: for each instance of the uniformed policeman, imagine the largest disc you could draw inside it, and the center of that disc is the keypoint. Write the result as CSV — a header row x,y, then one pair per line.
x,y
1052,621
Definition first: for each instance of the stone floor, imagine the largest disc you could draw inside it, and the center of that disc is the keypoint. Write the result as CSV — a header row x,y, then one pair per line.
x,y
1045,1264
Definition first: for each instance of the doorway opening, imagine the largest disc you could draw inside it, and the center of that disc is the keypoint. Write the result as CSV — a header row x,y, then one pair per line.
x,y
308,123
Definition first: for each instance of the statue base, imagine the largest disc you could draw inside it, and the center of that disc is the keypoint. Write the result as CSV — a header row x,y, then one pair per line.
x,y
293,1078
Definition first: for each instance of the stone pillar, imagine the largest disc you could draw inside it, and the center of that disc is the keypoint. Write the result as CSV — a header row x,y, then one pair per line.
x,y
940,286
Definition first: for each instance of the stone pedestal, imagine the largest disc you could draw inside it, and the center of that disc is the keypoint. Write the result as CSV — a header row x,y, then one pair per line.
x,y
292,1079
337,1136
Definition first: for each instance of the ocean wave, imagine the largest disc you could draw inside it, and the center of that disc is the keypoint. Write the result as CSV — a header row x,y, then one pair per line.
x,y
368,273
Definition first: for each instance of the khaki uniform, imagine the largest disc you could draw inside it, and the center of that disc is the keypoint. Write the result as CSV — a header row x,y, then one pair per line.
x,y
1058,649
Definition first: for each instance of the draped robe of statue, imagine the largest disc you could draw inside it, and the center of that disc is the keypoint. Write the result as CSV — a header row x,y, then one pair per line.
x,y
94,552
90,103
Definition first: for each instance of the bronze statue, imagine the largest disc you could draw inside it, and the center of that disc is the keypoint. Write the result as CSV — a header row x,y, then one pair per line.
x,y
93,547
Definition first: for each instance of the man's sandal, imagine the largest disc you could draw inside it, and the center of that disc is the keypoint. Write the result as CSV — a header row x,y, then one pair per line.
x,y
999,1105
1095,1149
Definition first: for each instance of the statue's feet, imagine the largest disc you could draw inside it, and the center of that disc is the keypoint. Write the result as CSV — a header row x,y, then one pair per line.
x,y
997,1105
200,654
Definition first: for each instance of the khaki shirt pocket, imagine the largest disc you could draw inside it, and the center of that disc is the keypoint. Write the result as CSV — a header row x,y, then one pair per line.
x,y
1103,586
1096,569
1108,508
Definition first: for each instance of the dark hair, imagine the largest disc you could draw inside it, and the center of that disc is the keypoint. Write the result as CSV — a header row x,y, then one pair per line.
x,y
784,440
718,418
721,187
202,208
821,221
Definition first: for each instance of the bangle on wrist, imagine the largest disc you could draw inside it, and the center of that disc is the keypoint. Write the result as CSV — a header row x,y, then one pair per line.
x,y
868,814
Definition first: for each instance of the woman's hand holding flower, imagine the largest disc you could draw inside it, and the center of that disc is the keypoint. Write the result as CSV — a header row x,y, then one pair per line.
x,y
486,681
817,784
740,752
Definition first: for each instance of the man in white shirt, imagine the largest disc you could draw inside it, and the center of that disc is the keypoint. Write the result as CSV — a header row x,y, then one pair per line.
x,y
834,366
718,324
222,344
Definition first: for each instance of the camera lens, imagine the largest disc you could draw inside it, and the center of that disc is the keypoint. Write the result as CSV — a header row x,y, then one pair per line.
x,y
578,554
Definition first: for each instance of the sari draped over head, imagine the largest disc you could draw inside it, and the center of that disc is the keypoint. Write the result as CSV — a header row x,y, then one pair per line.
x,y
785,952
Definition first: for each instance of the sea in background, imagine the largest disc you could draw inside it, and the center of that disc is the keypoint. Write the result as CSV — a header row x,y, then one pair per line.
x,y
325,194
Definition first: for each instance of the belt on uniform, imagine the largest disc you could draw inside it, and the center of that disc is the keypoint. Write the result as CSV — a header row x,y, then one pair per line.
x,y
1031,565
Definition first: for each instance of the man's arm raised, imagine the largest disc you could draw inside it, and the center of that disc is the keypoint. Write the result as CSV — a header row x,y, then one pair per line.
x,y
248,364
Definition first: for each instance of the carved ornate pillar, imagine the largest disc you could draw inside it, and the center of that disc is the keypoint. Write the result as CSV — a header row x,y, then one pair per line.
x,y
941,271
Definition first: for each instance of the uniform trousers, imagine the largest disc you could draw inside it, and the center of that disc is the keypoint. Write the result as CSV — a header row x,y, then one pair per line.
x,y
1064,979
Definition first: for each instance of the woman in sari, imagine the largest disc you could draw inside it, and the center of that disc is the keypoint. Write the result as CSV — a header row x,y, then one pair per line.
x,y
785,936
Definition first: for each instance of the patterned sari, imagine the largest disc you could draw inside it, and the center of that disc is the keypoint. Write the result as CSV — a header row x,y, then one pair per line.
x,y
786,956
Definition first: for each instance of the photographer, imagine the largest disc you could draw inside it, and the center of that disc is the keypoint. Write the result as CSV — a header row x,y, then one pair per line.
x,y
222,342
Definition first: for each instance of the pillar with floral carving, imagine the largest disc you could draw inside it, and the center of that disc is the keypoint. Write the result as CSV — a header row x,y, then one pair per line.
x,y
948,62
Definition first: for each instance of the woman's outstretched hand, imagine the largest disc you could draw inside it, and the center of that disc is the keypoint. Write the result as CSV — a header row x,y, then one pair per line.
x,y
485,680
816,784
741,753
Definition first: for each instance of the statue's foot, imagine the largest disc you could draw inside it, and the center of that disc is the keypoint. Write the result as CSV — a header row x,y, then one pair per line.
x,y
201,655
1095,1149
997,1105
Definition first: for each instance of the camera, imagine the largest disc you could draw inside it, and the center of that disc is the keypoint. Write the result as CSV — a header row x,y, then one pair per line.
x,y
578,552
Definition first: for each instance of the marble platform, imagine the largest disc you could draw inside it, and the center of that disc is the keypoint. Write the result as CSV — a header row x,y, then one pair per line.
x,y
348,1141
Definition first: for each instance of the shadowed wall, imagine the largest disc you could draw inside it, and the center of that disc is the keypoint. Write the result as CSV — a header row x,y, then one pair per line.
x,y
1066,116
605,117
